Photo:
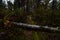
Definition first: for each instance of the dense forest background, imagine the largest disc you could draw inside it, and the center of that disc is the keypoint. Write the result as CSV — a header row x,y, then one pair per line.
x,y
40,12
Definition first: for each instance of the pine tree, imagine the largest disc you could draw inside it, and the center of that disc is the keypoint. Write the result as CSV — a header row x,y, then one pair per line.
x,y
54,7
10,6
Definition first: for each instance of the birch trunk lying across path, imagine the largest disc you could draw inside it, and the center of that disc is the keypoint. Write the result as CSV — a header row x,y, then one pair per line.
x,y
37,27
